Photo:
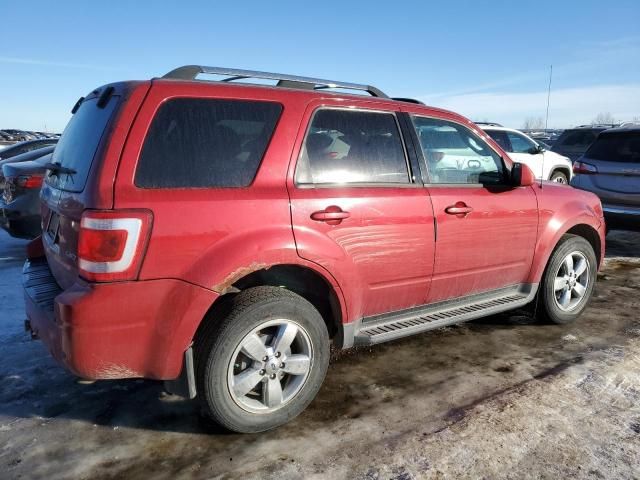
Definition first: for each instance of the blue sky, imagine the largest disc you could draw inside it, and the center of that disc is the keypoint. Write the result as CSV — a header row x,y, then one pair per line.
x,y
486,60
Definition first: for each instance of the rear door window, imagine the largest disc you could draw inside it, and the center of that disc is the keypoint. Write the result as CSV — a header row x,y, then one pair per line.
x,y
616,147
521,144
79,142
352,147
500,137
200,143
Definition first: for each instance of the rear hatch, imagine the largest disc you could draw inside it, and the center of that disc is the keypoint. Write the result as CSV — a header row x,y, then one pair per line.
x,y
616,155
67,191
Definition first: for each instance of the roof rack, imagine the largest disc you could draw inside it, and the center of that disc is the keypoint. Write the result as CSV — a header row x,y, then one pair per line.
x,y
488,124
407,100
190,72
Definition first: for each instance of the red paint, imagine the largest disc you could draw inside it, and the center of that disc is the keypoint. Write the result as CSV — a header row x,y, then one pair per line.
x,y
380,248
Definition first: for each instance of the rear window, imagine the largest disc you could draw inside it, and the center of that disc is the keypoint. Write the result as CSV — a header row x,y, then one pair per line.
x,y
616,147
199,143
79,142
577,138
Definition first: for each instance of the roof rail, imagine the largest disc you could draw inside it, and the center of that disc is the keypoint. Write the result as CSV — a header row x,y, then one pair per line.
x,y
190,72
488,124
407,100
598,125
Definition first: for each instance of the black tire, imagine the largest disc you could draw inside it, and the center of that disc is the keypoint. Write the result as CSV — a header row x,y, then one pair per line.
x,y
559,177
218,343
547,303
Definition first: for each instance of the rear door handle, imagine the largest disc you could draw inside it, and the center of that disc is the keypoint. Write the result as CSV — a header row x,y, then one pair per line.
x,y
460,208
332,215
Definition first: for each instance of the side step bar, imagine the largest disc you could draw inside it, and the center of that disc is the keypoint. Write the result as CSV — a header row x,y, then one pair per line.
x,y
390,326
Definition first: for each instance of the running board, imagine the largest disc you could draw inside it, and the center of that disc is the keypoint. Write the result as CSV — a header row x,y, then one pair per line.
x,y
390,326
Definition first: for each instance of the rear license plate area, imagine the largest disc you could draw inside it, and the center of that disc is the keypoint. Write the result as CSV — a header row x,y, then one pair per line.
x,y
52,226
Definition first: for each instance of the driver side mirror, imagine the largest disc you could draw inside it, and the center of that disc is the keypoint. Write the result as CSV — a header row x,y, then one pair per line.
x,y
521,175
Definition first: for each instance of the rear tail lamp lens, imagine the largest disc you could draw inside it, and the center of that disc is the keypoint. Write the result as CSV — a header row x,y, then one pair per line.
x,y
112,244
584,168
29,181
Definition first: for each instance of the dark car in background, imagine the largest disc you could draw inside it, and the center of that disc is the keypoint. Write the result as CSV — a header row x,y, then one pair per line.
x,y
610,168
573,142
20,200
24,147
23,157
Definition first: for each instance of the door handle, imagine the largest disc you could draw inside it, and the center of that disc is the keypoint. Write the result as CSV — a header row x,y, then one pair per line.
x,y
332,215
460,208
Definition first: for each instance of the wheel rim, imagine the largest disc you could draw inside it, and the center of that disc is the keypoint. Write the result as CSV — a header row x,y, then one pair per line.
x,y
560,179
270,366
571,281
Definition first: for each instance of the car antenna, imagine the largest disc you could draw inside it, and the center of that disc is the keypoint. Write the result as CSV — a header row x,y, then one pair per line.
x,y
546,120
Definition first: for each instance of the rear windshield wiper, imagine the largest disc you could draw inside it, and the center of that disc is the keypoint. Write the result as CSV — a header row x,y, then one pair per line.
x,y
57,169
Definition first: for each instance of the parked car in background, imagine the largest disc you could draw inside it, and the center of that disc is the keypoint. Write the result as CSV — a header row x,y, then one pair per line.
x,y
23,157
24,147
6,137
192,233
20,197
19,135
574,141
546,165
610,168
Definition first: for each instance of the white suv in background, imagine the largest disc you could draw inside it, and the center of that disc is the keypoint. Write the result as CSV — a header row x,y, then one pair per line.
x,y
545,164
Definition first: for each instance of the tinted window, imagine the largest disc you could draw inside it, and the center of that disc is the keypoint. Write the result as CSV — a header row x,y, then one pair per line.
x,y
79,142
520,143
345,146
501,139
198,143
616,147
576,138
454,155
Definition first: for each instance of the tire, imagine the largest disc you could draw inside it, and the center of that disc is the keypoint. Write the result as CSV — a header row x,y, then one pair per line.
x,y
555,304
559,177
229,360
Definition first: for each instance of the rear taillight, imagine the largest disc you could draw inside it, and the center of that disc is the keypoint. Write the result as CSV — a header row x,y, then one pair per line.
x,y
112,244
584,168
29,181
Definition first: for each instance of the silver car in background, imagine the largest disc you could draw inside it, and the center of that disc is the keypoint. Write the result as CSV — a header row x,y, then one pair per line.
x,y
610,168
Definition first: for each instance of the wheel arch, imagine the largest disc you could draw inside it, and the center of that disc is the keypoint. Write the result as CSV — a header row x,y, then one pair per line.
x,y
561,168
318,288
549,239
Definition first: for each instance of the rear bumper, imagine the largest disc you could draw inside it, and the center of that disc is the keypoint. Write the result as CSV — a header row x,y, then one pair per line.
x,y
20,227
114,330
21,217
623,216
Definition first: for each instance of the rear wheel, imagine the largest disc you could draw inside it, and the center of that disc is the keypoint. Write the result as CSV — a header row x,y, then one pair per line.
x,y
264,362
568,280
559,177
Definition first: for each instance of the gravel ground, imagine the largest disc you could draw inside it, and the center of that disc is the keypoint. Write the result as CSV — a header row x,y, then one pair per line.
x,y
504,397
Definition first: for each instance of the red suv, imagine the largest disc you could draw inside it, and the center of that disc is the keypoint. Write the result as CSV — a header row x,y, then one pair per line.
x,y
221,235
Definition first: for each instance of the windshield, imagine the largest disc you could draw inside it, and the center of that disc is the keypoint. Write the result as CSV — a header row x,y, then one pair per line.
x,y
77,146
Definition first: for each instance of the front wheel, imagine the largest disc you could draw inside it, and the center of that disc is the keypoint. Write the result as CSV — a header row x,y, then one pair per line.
x,y
264,362
568,280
